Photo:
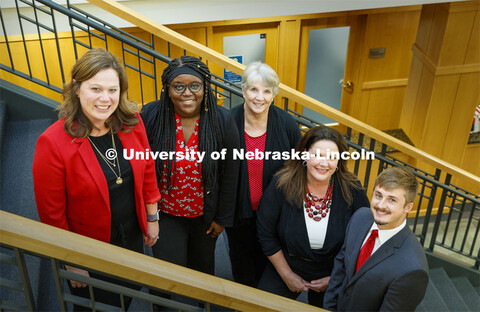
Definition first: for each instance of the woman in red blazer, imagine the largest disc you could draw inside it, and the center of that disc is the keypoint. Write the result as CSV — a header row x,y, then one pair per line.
x,y
83,181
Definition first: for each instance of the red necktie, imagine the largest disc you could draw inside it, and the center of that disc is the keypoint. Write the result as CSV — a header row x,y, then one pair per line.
x,y
366,250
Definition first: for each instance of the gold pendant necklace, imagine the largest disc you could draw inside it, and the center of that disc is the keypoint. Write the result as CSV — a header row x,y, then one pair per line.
x,y
119,179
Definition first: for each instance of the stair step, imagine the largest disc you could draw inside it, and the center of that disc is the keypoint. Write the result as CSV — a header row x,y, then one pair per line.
x,y
468,293
433,300
453,300
19,141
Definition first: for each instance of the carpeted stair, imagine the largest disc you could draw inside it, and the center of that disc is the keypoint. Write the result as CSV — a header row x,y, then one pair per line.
x,y
445,293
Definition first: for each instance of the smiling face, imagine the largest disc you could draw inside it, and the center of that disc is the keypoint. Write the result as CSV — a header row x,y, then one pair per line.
x,y
389,208
99,96
320,169
186,104
258,98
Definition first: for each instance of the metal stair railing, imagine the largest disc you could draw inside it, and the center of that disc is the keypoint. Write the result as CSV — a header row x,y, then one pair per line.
x,y
446,215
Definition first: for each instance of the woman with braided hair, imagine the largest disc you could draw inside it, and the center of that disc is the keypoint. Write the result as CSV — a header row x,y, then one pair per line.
x,y
198,190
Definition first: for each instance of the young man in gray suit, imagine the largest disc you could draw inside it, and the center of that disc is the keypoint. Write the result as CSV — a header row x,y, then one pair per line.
x,y
381,266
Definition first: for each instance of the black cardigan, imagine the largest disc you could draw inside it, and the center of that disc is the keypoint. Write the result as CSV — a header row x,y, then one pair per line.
x,y
218,203
283,134
281,226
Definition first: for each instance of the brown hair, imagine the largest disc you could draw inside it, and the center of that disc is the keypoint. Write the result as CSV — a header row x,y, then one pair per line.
x,y
396,177
292,178
92,62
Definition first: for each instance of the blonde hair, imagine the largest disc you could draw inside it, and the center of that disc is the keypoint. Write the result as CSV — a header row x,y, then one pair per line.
x,y
92,62
258,71
396,177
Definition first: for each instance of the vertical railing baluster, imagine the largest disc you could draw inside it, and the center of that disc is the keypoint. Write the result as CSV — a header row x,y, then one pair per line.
x,y
23,38
7,43
57,43
420,201
458,225
368,169
357,162
428,213
58,283
27,286
449,219
40,40
349,134
438,217
152,38
140,74
383,153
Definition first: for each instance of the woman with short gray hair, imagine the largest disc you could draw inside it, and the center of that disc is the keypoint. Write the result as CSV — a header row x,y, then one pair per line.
x,y
263,127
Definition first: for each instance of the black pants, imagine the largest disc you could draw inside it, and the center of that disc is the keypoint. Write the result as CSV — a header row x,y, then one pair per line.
x,y
273,283
184,241
129,236
246,256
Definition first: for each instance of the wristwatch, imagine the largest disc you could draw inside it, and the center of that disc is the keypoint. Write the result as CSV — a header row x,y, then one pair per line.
x,y
153,217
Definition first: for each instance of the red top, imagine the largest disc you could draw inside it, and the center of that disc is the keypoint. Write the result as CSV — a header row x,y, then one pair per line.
x,y
255,167
185,198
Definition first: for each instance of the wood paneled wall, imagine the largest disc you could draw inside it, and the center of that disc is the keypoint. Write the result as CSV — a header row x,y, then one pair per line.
x,y
444,83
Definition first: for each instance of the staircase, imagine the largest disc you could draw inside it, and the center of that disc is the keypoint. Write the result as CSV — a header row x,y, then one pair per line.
x,y
451,287
18,136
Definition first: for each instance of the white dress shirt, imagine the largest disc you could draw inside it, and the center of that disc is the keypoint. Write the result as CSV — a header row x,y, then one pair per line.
x,y
383,235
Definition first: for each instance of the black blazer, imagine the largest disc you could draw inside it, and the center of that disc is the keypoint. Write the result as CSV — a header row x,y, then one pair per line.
x,y
283,134
281,226
394,278
219,202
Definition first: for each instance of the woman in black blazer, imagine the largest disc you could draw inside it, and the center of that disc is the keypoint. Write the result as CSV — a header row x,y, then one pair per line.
x,y
264,127
303,216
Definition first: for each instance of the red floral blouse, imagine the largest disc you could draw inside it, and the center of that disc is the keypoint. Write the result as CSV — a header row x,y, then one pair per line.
x,y
185,198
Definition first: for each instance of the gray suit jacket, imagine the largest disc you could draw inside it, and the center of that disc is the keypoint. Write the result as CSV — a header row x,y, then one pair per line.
x,y
394,278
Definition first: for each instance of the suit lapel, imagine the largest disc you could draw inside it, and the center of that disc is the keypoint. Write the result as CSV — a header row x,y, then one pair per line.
x,y
362,232
384,252
91,162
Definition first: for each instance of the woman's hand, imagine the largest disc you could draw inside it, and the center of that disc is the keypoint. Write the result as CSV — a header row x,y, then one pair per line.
x,y
319,285
294,282
76,284
152,231
215,228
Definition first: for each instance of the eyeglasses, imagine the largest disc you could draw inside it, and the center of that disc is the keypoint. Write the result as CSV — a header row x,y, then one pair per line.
x,y
194,87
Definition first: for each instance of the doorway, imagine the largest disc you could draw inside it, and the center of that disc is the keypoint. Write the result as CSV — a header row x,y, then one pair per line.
x,y
327,55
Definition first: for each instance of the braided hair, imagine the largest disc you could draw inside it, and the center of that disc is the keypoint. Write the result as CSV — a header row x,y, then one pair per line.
x,y
163,135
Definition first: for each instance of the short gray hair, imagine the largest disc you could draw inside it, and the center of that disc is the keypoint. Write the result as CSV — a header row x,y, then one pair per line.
x,y
258,71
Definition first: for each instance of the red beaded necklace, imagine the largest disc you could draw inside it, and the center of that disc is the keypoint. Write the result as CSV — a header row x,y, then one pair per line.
x,y
318,208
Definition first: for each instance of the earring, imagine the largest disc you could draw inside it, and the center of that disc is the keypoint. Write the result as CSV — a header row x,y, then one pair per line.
x,y
304,163
336,169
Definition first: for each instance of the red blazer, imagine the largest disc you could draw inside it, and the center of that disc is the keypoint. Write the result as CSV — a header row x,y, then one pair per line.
x,y
71,191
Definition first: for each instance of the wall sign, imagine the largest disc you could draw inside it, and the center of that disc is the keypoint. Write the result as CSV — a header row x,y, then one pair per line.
x,y
231,76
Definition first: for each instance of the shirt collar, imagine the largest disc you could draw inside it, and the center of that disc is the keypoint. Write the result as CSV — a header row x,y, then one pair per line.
x,y
385,235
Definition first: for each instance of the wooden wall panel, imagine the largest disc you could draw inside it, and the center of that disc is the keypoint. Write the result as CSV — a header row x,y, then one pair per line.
x,y
438,115
464,105
473,55
388,103
382,81
455,46
396,32
423,92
